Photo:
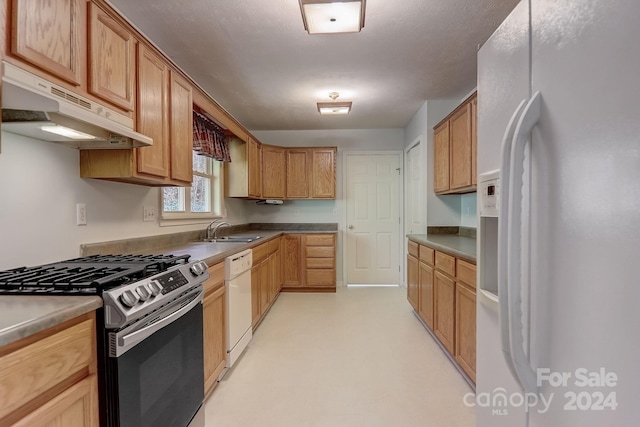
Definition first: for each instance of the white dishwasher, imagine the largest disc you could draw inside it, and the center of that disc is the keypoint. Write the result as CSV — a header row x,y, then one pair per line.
x,y
237,272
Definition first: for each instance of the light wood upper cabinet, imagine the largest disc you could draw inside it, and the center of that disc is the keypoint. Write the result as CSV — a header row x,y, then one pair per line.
x,y
474,140
441,158
112,60
297,173
181,129
255,168
52,35
455,150
323,173
460,149
152,113
274,177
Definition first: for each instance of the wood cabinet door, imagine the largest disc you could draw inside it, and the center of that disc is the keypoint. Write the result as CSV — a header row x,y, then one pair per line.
x,y
254,164
181,129
425,278
474,141
76,406
276,272
444,306
291,260
214,336
265,284
112,60
52,35
323,173
441,158
274,171
460,148
297,174
466,329
413,282
152,113
255,294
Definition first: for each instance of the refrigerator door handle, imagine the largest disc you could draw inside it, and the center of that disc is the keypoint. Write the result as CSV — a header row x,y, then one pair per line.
x,y
529,118
503,250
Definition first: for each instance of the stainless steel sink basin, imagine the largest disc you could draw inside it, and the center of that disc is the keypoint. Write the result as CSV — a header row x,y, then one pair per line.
x,y
235,239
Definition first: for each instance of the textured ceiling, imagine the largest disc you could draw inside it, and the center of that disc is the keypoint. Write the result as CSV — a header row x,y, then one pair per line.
x,y
255,58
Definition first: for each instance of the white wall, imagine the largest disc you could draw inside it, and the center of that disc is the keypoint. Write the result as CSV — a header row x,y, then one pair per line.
x,y
39,188
469,209
322,210
441,210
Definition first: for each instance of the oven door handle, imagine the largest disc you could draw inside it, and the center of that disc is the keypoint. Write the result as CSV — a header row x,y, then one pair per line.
x,y
132,339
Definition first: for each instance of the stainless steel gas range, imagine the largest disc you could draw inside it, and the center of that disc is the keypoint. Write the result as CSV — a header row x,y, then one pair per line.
x,y
149,332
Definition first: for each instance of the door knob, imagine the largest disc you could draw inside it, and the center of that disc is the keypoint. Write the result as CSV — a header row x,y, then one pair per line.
x,y
350,227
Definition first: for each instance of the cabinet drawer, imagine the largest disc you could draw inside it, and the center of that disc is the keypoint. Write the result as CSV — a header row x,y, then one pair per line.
x,y
426,255
321,263
446,263
260,252
320,252
320,239
466,272
274,245
321,277
216,277
413,249
38,367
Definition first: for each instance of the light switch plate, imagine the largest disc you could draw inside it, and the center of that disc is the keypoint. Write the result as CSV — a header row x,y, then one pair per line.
x,y
149,214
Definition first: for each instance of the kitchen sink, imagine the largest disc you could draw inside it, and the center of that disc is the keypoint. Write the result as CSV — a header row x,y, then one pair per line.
x,y
235,239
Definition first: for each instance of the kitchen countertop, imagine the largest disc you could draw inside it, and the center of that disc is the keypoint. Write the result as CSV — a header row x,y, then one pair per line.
x,y
25,315
213,253
452,244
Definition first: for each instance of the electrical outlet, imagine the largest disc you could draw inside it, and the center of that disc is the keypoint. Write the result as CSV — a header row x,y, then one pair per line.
x,y
149,214
81,214
296,212
335,211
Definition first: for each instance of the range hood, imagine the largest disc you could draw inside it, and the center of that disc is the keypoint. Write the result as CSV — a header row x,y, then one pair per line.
x,y
37,108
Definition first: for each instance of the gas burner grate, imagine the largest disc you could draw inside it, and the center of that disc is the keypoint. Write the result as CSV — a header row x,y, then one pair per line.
x,y
87,275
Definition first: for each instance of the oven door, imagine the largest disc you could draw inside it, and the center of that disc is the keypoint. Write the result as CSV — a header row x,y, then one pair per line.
x,y
155,371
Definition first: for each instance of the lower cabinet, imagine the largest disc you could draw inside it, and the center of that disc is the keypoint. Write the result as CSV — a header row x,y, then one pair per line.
x,y
49,379
214,327
442,290
444,297
266,278
309,262
412,282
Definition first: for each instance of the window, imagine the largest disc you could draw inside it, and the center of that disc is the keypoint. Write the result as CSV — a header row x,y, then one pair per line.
x,y
203,200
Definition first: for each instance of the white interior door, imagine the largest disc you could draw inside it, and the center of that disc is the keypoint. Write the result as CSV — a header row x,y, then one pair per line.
x,y
373,218
414,199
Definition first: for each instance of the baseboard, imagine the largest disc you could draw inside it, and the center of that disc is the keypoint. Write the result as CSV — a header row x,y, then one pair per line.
x,y
308,289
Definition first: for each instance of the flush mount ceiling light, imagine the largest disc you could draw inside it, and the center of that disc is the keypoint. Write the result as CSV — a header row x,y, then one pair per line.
x,y
332,16
334,107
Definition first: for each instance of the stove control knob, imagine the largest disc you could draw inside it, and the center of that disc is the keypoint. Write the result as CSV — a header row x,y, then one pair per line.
x,y
197,269
143,292
128,299
155,287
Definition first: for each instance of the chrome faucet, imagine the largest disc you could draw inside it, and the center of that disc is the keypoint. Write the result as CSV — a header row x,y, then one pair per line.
x,y
209,227
217,227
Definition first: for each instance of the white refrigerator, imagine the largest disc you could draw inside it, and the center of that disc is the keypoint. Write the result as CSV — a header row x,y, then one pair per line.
x,y
558,315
